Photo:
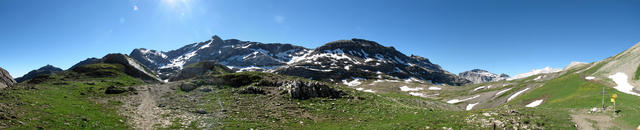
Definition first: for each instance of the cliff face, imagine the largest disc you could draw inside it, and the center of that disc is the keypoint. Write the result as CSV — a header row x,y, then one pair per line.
x,y
5,79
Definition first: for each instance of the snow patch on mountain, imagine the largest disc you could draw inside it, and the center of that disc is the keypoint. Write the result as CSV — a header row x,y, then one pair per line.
x,y
406,88
470,106
502,91
534,103
354,82
623,85
454,101
516,94
435,88
365,90
589,78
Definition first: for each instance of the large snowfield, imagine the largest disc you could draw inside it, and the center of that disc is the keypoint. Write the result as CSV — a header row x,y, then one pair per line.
x,y
622,83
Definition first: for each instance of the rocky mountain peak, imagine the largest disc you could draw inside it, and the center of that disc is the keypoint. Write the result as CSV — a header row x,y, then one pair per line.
x,y
47,69
234,53
481,76
5,79
358,47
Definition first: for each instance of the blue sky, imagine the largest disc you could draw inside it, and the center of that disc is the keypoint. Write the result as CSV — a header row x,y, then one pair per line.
x,y
502,36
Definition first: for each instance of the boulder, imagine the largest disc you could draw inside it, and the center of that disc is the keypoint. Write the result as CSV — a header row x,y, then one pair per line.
x,y
5,79
115,90
187,87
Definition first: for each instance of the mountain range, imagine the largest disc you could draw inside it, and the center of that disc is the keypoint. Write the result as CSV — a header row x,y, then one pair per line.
x,y
334,61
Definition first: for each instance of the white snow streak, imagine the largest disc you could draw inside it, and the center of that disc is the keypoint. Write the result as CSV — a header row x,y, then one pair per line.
x,y
454,101
470,106
516,94
503,91
534,103
435,88
589,78
405,89
354,82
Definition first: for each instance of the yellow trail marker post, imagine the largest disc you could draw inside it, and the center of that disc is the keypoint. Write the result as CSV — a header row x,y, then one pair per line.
x,y
613,99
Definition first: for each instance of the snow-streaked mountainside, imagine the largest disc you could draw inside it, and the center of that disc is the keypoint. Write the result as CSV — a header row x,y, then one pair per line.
x,y
334,61
240,55
363,59
481,76
544,70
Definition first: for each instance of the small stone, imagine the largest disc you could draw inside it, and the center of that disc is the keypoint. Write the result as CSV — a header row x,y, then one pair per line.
x,y
205,90
114,90
201,112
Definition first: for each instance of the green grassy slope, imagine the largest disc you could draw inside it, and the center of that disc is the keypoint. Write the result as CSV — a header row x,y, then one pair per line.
x,y
571,91
66,100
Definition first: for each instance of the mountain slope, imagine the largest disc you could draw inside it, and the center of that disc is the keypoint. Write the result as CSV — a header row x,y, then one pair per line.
x,y
132,67
5,79
627,63
48,69
481,76
358,58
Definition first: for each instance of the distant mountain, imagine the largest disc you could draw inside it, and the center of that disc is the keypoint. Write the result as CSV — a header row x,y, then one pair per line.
x,y
48,69
545,70
358,58
5,79
236,54
481,76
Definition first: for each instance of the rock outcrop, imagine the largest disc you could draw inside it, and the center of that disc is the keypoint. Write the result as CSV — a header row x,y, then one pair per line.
x,y
5,79
310,89
48,69
481,76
